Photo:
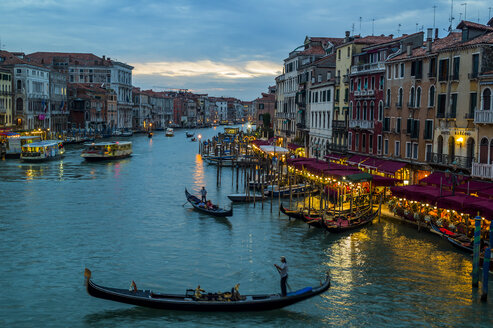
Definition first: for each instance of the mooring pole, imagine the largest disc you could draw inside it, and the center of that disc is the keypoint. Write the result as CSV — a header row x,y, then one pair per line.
x,y
476,250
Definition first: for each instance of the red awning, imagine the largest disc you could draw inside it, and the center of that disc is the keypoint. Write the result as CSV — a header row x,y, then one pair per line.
x,y
335,157
474,186
293,146
443,179
372,163
390,167
356,159
379,181
420,193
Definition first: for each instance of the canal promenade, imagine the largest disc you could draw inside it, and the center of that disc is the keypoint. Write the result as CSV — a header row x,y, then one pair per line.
x,y
125,220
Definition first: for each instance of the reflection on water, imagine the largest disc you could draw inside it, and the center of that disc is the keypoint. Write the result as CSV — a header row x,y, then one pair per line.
x,y
126,221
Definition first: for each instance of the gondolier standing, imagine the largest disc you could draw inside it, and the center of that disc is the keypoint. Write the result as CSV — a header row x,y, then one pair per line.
x,y
203,192
283,271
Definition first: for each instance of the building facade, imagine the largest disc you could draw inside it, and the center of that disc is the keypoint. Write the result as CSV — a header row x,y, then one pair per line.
x,y
6,117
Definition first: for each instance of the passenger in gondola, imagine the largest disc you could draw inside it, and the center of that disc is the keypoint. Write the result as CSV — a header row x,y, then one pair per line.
x,y
209,204
235,294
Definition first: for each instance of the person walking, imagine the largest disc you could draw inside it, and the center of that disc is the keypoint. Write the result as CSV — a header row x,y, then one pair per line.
x,y
203,192
283,272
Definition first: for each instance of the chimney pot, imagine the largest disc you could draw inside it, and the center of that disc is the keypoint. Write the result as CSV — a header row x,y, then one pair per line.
x,y
436,33
429,34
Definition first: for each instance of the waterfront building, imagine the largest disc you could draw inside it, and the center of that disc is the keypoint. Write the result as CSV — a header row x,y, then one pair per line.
x,y
5,98
366,92
31,91
288,94
264,108
141,110
318,80
345,51
458,90
58,111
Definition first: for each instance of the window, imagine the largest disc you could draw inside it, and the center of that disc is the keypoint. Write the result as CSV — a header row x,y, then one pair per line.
x,y
389,72
415,129
366,83
381,82
387,99
372,110
473,102
348,52
365,111
337,96
441,105
396,71
429,151
399,99
397,150
432,70
443,70
402,70
428,133
380,111
356,142
319,78
328,95
339,54
379,144
398,125
486,99
346,94
370,143
349,140
408,150
358,111
386,147
453,105
475,65
363,141
415,150
411,97
386,124
418,97
455,75
431,97
372,86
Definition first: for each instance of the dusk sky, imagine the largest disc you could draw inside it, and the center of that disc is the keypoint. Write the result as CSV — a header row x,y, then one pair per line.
x,y
222,48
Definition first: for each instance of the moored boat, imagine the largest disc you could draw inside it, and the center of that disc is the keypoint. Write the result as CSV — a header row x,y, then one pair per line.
x,y
213,210
189,134
42,151
460,241
169,132
275,190
15,143
207,302
244,198
342,224
101,151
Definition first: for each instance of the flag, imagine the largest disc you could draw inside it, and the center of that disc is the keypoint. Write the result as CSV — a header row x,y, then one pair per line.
x,y
45,106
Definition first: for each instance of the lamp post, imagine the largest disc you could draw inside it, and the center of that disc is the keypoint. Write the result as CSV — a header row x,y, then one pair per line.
x,y
200,142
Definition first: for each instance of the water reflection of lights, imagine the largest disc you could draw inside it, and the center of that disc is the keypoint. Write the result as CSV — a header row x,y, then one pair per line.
x,y
198,173
60,170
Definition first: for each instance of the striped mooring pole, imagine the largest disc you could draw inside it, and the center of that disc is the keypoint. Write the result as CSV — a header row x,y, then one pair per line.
x,y
476,250
486,267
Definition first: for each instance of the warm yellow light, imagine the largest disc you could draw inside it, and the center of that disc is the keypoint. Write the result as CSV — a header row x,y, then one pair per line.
x,y
460,140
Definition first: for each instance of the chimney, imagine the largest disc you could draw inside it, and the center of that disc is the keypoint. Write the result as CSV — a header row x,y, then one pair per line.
x,y
391,36
346,39
408,50
104,57
429,36
436,33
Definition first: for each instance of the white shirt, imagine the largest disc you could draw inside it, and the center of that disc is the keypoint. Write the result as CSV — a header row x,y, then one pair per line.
x,y
284,269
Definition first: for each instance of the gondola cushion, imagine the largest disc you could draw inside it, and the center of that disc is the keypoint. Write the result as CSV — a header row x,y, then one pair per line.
x,y
301,291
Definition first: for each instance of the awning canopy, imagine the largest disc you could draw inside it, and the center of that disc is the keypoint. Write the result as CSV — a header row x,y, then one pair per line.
x,y
293,146
379,181
425,194
372,163
356,159
335,157
443,179
273,149
390,167
474,186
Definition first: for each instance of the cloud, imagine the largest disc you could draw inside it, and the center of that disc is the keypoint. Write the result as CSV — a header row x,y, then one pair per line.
x,y
211,69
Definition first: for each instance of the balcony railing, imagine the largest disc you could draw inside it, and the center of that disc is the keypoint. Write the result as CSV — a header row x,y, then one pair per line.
x,y
367,68
482,170
362,124
337,148
450,160
339,124
483,116
472,76
345,79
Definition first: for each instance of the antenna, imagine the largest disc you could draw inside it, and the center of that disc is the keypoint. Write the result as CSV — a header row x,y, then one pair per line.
x,y
360,19
373,26
451,19
417,27
460,16
352,30
399,29
489,12
465,10
434,8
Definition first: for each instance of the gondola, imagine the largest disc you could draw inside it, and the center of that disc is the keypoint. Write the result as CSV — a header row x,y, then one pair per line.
x,y
343,224
244,198
215,211
295,214
149,135
189,135
313,221
460,241
210,302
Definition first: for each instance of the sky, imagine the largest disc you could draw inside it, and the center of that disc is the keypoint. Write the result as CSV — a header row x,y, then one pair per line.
x,y
221,48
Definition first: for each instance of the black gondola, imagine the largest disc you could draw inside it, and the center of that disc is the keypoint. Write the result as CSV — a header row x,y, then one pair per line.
x,y
215,211
295,214
189,135
208,302
343,224
460,241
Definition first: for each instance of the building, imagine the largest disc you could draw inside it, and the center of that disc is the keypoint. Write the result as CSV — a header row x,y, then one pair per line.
x,y
264,107
366,92
58,111
6,116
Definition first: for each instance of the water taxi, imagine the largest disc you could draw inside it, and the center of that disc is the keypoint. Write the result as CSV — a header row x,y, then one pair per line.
x,y
42,151
14,145
107,150
170,132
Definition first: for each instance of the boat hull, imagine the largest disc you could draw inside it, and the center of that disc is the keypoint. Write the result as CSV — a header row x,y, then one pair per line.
x,y
219,212
105,158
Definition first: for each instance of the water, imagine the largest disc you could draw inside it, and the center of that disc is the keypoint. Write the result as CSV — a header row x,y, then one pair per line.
x,y
125,221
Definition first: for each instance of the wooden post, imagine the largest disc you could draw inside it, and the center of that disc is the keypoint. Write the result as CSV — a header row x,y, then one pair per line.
x,y
476,250
379,208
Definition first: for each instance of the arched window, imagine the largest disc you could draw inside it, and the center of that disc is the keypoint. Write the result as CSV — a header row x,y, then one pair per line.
x,y
358,117
431,97
491,152
418,97
372,111
387,100
365,111
483,151
440,145
351,110
412,97
399,100
324,120
380,111
487,99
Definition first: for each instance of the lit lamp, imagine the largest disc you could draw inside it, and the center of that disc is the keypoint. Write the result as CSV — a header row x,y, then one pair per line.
x,y
459,141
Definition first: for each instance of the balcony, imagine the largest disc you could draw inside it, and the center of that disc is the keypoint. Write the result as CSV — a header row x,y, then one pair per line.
x,y
368,68
337,80
361,124
482,170
337,148
432,75
472,76
345,79
339,125
483,117
447,160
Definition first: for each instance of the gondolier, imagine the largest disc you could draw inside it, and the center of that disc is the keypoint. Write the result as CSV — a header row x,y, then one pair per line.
x,y
203,193
283,271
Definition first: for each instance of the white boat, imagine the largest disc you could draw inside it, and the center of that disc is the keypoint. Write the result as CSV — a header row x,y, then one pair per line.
x,y
14,145
285,190
102,151
170,132
42,151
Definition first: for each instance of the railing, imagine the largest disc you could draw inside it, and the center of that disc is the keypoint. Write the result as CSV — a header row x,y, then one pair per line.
x,y
366,68
339,124
483,116
337,147
345,79
472,76
362,124
482,170
450,160
432,75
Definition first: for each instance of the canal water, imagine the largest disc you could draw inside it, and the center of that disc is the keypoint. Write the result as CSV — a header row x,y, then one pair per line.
x,y
127,220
